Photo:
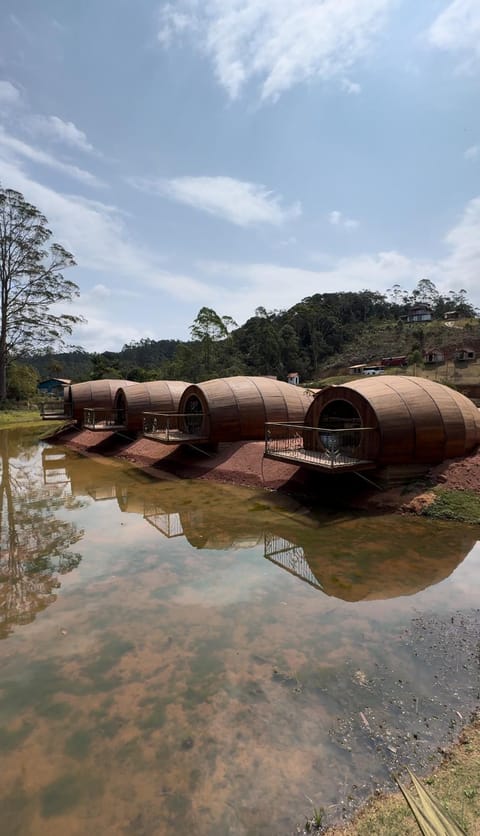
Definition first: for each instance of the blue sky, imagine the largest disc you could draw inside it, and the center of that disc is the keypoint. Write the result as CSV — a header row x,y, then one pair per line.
x,y
244,153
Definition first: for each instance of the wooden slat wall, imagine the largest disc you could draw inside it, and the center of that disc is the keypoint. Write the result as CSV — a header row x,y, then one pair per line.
x,y
94,393
417,419
236,408
151,396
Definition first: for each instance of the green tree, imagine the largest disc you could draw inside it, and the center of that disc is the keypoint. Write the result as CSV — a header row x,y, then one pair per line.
x,y
22,382
209,328
31,283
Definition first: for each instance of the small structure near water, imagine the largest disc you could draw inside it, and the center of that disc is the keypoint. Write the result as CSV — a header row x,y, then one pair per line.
x,y
96,397
132,402
228,409
376,423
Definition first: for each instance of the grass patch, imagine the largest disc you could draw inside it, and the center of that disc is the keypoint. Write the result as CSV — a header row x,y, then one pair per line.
x,y
17,418
455,785
462,506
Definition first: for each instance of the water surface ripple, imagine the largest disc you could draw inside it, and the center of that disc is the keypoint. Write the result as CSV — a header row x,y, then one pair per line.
x,y
187,657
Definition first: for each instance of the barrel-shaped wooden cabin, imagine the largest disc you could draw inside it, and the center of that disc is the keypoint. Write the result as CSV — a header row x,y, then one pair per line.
x,y
92,394
131,402
236,408
393,419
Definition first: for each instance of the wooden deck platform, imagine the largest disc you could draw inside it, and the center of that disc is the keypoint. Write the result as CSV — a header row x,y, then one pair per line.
x,y
319,460
103,426
99,419
335,452
174,437
55,411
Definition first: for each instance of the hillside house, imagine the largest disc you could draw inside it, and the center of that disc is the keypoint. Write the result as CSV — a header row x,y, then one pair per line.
x,y
418,313
464,355
434,355
357,368
451,316
294,378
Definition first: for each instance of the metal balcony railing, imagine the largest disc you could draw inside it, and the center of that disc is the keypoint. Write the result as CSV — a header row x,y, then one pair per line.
x,y
318,446
173,427
97,418
55,409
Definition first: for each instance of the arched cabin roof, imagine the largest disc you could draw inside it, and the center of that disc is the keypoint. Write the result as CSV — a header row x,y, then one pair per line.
x,y
92,393
236,408
412,419
151,396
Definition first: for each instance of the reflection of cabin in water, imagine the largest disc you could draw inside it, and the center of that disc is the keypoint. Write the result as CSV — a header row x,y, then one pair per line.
x,y
379,422
54,466
167,523
290,557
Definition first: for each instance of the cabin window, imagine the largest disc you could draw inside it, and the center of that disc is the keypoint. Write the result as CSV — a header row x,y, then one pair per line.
x,y
339,415
193,415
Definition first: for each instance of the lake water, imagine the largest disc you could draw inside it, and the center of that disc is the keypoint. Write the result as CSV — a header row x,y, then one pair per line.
x,y
181,657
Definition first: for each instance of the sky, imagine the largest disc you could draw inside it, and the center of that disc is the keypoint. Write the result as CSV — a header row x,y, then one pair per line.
x,y
243,153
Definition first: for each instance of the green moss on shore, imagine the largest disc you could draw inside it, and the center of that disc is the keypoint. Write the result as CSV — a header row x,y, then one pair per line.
x,y
462,506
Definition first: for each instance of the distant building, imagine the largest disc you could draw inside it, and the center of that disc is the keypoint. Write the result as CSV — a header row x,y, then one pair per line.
x,y
53,386
293,377
392,362
418,313
434,355
451,316
357,369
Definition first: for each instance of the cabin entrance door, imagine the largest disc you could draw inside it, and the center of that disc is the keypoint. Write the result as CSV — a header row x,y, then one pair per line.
x,y
337,425
193,418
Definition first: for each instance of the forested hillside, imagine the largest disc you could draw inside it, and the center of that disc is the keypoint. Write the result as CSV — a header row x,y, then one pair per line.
x,y
319,335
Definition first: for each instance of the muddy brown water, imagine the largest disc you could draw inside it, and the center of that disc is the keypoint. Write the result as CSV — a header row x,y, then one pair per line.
x,y
181,657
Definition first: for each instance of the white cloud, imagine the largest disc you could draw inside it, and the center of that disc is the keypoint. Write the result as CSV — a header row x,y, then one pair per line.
x,y
472,153
14,148
278,286
97,236
237,201
457,28
337,218
461,268
66,132
9,94
351,87
99,333
278,43
172,22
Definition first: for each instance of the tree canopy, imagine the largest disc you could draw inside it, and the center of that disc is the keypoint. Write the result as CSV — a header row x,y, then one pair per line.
x,y
31,283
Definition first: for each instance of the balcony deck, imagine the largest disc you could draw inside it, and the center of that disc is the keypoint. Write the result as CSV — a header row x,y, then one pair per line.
x,y
100,420
285,443
55,410
167,428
